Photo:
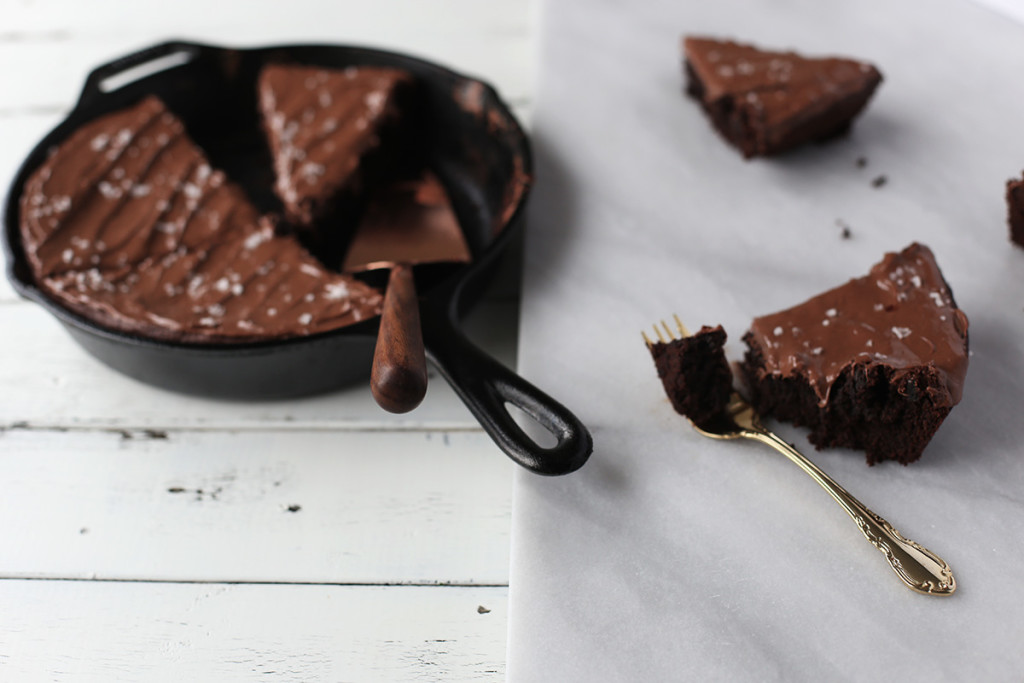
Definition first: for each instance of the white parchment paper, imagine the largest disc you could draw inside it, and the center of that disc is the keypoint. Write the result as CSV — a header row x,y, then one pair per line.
x,y
673,557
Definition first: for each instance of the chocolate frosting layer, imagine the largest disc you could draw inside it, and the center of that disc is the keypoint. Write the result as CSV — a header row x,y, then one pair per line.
x,y
128,224
902,315
776,87
321,123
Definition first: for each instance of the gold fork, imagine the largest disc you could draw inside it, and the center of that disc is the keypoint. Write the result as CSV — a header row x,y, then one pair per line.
x,y
919,568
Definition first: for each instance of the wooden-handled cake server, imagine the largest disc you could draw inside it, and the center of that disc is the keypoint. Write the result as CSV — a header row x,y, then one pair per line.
x,y
406,224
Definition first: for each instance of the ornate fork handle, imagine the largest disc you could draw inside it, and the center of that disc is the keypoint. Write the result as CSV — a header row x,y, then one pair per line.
x,y
919,568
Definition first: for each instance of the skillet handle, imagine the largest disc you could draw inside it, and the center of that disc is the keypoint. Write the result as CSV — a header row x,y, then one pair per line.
x,y
94,82
485,386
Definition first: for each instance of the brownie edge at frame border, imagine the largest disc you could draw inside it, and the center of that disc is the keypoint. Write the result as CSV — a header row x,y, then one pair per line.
x,y
1015,210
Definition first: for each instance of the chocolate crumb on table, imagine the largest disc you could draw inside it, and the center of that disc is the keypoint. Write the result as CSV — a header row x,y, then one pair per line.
x,y
862,162
766,102
879,181
845,231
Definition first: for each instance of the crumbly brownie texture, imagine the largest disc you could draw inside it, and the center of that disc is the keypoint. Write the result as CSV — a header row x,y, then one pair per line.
x,y
695,374
767,102
1015,207
875,364
127,224
326,129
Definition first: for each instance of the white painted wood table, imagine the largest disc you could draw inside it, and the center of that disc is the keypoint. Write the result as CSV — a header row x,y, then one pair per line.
x,y
150,536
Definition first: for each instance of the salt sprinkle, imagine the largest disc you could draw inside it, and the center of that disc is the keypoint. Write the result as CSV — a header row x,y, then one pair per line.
x,y
375,102
310,171
109,191
194,284
335,291
305,318
901,332
257,238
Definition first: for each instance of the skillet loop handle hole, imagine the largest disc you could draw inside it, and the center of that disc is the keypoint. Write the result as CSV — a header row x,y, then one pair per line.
x,y
532,426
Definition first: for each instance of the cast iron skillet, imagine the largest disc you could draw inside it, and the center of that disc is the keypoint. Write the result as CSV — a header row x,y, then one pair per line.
x,y
473,143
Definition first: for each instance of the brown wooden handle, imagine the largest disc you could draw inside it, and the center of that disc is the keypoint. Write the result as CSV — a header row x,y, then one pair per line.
x,y
398,380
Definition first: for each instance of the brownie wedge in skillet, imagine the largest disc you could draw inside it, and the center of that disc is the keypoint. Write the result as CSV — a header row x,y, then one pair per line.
x,y
332,132
127,224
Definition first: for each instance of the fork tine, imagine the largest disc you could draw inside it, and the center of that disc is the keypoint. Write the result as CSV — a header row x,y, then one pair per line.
x,y
665,333
682,328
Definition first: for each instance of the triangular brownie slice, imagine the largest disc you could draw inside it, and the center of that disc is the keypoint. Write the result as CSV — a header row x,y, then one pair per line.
x,y
767,102
875,364
327,129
